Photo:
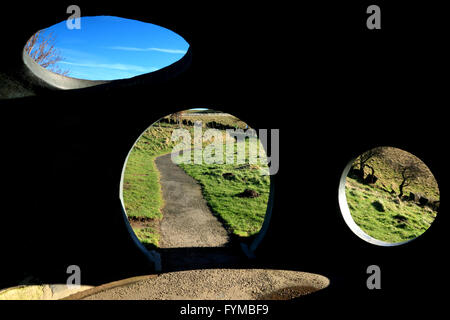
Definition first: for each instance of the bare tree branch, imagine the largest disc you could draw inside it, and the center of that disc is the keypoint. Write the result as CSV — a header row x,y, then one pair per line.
x,y
41,47
363,160
409,172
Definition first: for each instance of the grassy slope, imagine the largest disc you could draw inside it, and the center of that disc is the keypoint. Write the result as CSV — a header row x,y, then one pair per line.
x,y
401,220
243,216
141,190
425,185
141,186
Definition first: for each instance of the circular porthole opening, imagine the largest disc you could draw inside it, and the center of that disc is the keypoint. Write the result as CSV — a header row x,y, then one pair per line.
x,y
196,178
100,49
388,196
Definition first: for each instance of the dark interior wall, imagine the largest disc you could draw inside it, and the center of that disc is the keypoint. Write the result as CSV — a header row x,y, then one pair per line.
x,y
333,89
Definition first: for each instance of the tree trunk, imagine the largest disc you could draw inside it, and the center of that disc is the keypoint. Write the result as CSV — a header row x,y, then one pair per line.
x,y
400,188
361,170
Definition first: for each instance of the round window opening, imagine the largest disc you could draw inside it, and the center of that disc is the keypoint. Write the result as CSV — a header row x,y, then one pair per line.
x,y
388,196
100,49
197,178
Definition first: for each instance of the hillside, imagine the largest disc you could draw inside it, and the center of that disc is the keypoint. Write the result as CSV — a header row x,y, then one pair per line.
x,y
377,208
384,166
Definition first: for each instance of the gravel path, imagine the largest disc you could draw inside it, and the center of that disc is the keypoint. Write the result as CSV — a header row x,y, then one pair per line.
x,y
187,220
219,284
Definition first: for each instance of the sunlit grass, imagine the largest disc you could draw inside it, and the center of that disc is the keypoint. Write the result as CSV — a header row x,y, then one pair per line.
x,y
400,220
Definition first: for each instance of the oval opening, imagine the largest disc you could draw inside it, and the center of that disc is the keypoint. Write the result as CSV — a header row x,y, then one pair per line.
x,y
388,196
102,49
197,178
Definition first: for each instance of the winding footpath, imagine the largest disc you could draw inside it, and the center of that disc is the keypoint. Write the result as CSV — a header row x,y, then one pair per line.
x,y
187,220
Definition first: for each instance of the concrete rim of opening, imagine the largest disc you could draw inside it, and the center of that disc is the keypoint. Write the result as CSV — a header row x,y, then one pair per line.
x,y
154,257
56,80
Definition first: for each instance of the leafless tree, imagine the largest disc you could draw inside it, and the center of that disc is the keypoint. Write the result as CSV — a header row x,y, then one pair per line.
x,y
41,47
363,160
409,173
178,116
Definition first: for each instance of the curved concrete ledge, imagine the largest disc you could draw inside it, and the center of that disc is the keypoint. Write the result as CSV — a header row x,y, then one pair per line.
x,y
40,292
57,80
209,284
107,286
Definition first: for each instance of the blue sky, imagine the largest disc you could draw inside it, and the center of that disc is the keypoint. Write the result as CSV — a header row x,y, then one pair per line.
x,y
107,48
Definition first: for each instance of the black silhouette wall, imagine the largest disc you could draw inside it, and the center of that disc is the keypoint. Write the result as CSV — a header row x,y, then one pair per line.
x,y
332,88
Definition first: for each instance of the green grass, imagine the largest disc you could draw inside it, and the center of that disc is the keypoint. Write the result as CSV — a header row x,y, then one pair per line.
x,y
142,194
148,236
400,221
242,216
141,189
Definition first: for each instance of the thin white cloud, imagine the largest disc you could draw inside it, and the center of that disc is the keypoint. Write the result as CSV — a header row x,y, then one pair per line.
x,y
77,55
174,51
115,66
